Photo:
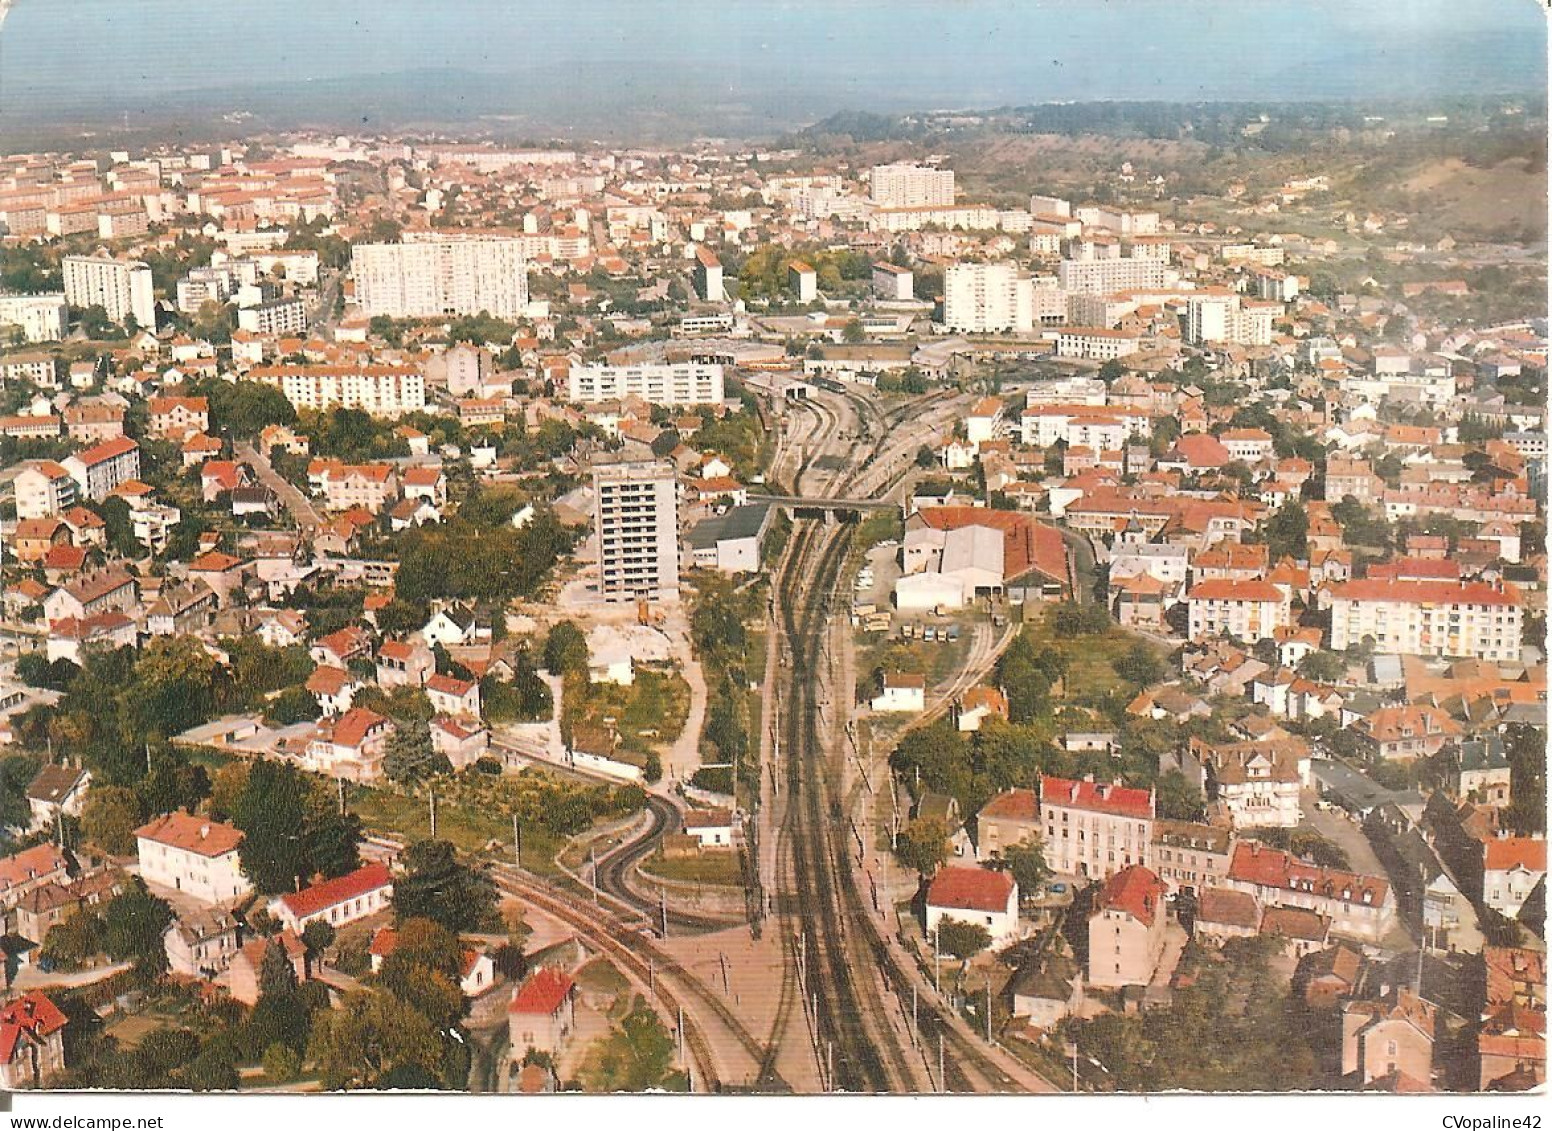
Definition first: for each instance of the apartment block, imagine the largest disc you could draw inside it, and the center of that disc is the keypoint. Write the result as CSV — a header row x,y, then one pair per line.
x,y
1428,618
685,383
911,186
35,318
434,278
122,288
1094,829
987,298
637,524
380,390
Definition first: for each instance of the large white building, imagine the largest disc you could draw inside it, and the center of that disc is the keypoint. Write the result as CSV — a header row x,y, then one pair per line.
x,y
380,390
1106,275
121,287
637,524
44,488
1428,618
1094,829
1223,317
1242,610
911,186
434,278
684,383
987,298
192,855
101,468
38,318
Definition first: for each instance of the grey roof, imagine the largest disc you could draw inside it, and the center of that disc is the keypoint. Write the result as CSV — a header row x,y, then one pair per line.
x,y
1486,753
738,522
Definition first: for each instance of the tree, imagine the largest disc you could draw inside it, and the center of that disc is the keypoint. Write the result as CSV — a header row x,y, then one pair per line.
x,y
69,944
226,790
109,818
371,1034
291,829
133,923
282,1063
1140,665
1286,533
119,529
277,977
317,936
923,844
437,886
565,650
1176,798
636,1055
293,705
410,755
1027,863
1323,667
961,939
853,332
214,1069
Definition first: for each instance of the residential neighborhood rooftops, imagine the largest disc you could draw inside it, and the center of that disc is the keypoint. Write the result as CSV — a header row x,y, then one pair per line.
x,y
192,834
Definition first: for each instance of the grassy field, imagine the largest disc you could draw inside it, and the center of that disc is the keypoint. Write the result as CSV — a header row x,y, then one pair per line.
x,y
707,868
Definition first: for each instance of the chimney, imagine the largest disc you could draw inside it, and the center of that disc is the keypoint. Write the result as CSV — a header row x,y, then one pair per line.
x,y
204,831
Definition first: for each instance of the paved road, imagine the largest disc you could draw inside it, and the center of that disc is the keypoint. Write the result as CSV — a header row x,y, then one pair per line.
x,y
301,508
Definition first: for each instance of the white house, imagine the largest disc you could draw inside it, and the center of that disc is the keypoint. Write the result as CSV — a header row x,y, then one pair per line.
x,y
344,899
194,855
902,692
712,827
974,895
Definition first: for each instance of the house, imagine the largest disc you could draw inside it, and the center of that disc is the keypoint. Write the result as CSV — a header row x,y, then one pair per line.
x,y
194,855
477,974
1094,829
901,692
1126,929
1512,867
223,573
181,610
451,626
242,975
974,895
1241,610
334,688
977,705
1011,818
341,900
55,790
1298,930
1190,857
350,747
44,908
28,870
1363,907
107,590
1512,1049
201,944
1223,913
338,648
404,663
461,741
1390,1037
456,697
1482,771
1250,784
542,1013
32,1042
1410,731
1329,976
1044,993
712,828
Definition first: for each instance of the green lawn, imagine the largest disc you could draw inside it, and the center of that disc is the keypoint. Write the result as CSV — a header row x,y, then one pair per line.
x,y
708,868
648,715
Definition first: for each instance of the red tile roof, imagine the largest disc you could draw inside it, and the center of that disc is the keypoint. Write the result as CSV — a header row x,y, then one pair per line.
x,y
1254,863
108,449
1504,854
1227,589
1427,592
1134,890
544,992
970,889
354,726
1013,804
1100,797
33,1014
1026,544
341,889
29,864
192,834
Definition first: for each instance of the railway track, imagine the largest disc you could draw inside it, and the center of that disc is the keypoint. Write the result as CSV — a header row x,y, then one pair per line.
x,y
615,868
673,985
838,944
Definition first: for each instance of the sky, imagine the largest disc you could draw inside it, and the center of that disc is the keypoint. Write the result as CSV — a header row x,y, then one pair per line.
x,y
775,63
